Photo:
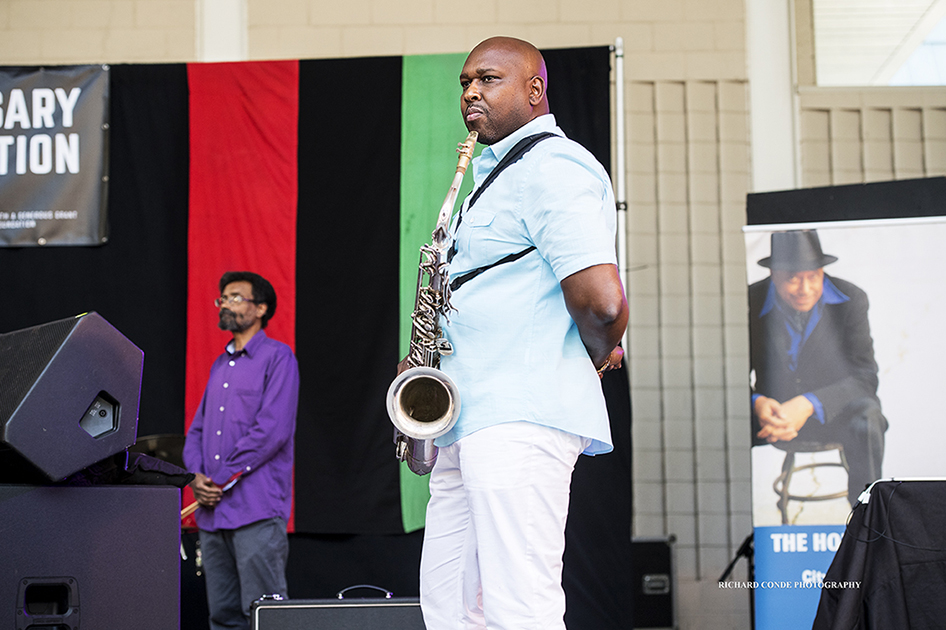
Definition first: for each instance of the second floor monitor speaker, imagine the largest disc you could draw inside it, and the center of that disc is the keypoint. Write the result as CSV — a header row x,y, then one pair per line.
x,y
69,393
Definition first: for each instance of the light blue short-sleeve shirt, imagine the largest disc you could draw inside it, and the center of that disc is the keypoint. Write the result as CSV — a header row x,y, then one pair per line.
x,y
517,352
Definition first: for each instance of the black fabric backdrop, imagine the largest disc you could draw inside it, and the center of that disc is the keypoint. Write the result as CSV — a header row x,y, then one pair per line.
x,y
347,300
346,311
894,548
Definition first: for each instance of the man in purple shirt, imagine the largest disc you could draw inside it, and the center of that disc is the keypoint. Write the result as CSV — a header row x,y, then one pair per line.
x,y
240,445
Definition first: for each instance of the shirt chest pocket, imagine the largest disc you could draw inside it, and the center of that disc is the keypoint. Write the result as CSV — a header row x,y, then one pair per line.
x,y
475,232
479,219
248,405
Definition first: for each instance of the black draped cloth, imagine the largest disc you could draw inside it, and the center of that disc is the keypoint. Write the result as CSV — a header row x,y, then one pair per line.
x,y
890,570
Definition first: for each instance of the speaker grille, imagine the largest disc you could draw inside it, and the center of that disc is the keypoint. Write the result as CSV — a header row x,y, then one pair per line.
x,y
24,354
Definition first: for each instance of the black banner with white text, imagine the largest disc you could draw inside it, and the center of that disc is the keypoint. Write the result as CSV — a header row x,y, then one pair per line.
x,y
53,155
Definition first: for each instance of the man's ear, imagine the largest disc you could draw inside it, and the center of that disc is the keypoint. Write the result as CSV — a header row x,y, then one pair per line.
x,y
261,309
536,90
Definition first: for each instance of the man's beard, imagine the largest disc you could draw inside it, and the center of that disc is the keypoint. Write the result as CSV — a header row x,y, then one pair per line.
x,y
228,321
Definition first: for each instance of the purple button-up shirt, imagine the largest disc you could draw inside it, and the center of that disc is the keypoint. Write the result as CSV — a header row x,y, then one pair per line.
x,y
245,424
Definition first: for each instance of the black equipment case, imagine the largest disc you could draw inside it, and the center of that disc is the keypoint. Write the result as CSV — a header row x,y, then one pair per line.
x,y
375,613
654,577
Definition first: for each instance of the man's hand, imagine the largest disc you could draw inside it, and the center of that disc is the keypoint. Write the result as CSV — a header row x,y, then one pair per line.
x,y
782,421
403,365
766,410
614,361
207,493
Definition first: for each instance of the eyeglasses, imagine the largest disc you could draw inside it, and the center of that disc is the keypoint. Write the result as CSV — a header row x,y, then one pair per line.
x,y
231,299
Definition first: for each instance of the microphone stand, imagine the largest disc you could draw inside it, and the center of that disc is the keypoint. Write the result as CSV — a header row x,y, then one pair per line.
x,y
746,549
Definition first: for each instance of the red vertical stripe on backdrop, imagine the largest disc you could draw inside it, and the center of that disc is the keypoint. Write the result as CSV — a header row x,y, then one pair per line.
x,y
243,197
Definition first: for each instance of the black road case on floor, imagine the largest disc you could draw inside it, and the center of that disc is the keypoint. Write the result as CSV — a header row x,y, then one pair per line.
x,y
394,613
654,579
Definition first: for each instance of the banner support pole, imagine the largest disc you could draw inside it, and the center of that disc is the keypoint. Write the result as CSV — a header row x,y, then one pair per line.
x,y
620,176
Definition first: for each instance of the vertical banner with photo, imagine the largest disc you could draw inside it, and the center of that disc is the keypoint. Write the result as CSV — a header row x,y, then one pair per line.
x,y
846,345
53,155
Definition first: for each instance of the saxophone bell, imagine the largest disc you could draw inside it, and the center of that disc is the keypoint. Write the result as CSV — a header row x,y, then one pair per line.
x,y
423,403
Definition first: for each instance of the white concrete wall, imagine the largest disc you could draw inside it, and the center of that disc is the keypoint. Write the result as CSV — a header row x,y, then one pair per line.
x,y
851,136
689,366
90,31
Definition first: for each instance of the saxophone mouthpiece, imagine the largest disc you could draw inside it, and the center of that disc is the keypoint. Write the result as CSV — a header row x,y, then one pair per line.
x,y
465,149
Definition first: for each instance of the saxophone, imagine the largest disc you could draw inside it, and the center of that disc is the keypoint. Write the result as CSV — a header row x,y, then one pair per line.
x,y
423,402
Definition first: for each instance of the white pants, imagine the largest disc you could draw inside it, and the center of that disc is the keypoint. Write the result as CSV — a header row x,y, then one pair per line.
x,y
495,530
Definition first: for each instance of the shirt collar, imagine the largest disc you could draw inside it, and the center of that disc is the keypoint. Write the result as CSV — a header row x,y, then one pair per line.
x,y
498,150
830,294
250,348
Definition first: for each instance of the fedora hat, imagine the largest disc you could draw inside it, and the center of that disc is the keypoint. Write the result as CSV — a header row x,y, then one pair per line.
x,y
796,250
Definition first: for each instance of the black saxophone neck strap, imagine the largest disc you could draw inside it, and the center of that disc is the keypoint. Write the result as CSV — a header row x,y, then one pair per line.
x,y
521,148
459,281
515,153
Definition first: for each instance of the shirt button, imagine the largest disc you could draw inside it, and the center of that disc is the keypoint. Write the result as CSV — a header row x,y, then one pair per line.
x,y
232,363
221,408
216,457
219,432
226,385
247,469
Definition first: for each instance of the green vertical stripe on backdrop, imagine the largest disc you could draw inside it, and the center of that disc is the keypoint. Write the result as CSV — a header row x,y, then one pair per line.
x,y
431,127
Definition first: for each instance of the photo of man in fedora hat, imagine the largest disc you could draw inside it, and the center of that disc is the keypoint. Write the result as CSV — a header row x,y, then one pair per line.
x,y
812,355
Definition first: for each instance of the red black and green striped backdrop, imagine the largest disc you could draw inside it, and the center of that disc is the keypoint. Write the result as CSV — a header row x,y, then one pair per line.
x,y
325,176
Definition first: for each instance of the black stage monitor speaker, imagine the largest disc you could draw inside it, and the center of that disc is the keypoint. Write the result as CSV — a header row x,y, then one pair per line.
x,y
396,613
69,393
90,558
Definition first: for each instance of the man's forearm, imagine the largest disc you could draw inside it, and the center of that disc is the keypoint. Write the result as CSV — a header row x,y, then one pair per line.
x,y
595,300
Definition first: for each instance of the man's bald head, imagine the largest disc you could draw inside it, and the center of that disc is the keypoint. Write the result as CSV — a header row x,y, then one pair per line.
x,y
527,55
504,81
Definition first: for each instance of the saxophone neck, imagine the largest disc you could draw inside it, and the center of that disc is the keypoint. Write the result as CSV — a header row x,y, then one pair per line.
x,y
441,238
